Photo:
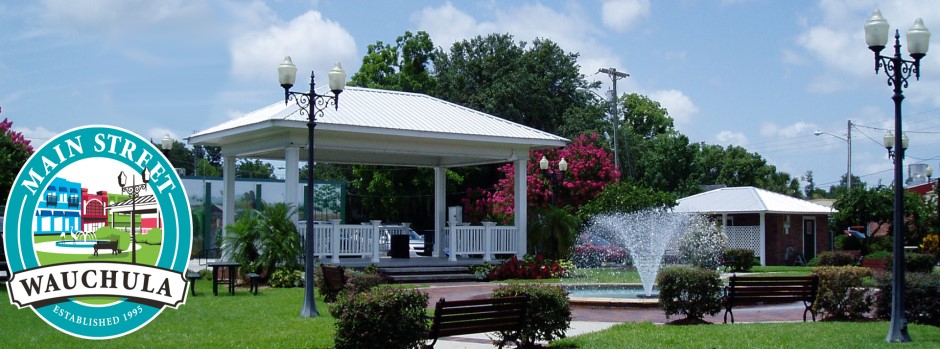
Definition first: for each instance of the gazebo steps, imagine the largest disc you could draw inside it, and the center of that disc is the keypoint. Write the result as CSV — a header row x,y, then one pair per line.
x,y
427,274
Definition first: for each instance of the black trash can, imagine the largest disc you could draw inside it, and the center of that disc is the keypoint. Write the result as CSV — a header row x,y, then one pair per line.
x,y
399,246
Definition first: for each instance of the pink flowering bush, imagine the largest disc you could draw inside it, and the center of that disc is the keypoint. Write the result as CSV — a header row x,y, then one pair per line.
x,y
590,169
14,151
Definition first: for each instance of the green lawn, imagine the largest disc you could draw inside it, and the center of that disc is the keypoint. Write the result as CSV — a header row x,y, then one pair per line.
x,y
269,320
826,335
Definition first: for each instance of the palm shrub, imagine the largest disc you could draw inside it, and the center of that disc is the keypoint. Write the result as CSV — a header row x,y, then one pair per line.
x,y
242,240
693,292
383,317
841,294
553,232
279,238
739,260
548,313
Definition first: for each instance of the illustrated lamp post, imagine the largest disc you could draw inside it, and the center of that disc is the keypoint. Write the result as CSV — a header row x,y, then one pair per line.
x,y
134,191
312,105
554,175
898,71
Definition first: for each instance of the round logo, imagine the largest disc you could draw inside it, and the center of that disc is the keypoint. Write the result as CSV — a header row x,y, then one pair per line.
x,y
98,233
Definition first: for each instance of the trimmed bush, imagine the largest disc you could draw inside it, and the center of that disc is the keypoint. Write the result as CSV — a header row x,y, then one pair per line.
x,y
739,259
918,262
362,281
153,237
922,290
692,292
835,259
286,278
548,313
847,242
841,294
383,317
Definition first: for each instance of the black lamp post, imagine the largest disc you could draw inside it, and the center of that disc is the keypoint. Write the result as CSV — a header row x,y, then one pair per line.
x,y
898,71
312,105
133,190
554,175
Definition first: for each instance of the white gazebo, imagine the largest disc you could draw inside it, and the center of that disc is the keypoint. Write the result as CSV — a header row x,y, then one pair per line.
x,y
380,127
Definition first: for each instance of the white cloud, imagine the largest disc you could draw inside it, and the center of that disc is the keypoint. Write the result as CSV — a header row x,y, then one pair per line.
x,y
118,18
256,54
680,107
771,130
446,24
621,15
731,138
156,134
36,136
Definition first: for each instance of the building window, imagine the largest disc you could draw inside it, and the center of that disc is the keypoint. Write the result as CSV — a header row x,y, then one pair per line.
x,y
73,200
94,208
51,199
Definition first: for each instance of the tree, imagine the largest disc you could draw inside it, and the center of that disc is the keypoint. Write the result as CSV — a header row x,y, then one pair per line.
x,y
625,198
642,121
532,86
403,67
862,206
210,160
14,151
245,168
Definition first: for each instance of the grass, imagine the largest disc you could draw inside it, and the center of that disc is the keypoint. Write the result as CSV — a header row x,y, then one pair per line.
x,y
761,335
269,320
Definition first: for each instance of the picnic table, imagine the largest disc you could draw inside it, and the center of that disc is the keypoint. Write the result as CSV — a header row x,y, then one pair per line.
x,y
232,267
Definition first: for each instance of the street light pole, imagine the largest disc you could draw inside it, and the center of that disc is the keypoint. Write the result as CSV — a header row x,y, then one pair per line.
x,y
134,191
847,139
898,71
312,105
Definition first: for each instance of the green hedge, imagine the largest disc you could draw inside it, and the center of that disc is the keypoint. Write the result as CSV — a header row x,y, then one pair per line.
x,y
692,292
922,292
153,237
383,317
738,259
286,278
841,294
834,259
548,313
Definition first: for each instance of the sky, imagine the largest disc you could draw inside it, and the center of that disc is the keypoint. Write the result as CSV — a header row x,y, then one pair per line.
x,y
761,74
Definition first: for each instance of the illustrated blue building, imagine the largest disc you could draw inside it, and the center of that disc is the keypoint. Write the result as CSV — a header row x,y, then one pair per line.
x,y
59,210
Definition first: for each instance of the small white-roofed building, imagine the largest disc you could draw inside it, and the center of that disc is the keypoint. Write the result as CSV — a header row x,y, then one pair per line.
x,y
777,227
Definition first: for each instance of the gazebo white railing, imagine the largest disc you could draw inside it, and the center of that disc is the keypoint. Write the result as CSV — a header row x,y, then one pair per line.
x,y
334,240
486,240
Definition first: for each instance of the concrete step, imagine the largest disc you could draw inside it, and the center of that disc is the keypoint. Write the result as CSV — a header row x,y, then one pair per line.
x,y
430,278
424,270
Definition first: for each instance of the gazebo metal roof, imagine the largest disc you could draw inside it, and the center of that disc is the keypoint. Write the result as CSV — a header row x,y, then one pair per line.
x,y
747,200
381,127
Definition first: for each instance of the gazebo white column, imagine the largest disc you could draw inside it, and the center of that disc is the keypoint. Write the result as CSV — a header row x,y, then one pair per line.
x,y
522,204
763,239
292,178
440,209
228,204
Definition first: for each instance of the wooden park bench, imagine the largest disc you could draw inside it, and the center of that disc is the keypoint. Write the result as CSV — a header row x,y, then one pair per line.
x,y
334,281
108,244
770,289
478,316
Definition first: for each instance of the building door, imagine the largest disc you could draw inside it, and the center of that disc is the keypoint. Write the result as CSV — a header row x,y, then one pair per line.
x,y
809,239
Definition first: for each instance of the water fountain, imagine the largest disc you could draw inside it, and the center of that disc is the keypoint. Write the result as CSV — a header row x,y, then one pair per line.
x,y
84,236
652,234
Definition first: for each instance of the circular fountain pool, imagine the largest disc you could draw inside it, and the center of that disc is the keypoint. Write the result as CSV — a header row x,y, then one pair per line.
x,y
611,295
73,243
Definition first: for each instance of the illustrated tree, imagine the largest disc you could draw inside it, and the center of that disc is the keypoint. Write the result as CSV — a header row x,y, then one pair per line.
x,y
14,151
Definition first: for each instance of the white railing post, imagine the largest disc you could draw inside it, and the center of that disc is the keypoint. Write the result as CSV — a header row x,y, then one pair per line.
x,y
334,241
488,241
453,242
376,232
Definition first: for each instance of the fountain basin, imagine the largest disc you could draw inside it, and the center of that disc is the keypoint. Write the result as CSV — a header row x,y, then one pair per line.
x,y
611,295
76,244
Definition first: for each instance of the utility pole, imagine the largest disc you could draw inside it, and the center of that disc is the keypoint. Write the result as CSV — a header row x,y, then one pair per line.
x,y
614,76
848,174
